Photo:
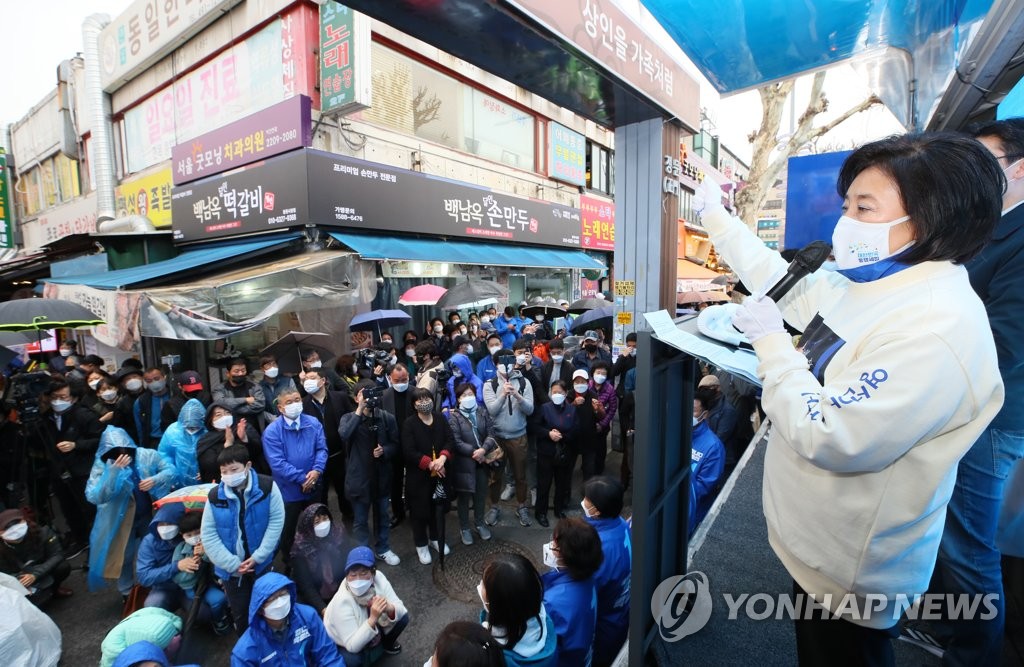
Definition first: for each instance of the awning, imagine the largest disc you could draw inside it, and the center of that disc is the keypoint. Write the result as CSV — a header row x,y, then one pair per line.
x,y
465,252
215,257
687,270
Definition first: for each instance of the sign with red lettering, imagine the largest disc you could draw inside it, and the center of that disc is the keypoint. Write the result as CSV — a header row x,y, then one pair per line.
x,y
598,216
344,59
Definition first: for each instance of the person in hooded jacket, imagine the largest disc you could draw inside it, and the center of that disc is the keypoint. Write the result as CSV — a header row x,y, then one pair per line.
x,y
124,482
32,554
282,632
154,625
602,504
318,556
473,433
222,431
180,440
462,371
512,595
144,654
574,554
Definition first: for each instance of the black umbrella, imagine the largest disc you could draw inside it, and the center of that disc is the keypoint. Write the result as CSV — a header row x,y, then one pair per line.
x,y
590,303
287,349
40,314
545,307
472,294
598,318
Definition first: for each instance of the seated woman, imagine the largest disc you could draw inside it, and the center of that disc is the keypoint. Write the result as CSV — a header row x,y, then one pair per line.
x,y
222,432
152,624
512,594
465,644
32,554
318,557
365,617
569,594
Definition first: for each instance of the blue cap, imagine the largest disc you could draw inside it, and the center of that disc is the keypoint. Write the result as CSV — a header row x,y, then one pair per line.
x,y
359,556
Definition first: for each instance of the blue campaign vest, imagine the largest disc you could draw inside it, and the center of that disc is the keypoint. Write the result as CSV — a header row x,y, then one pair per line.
x,y
257,518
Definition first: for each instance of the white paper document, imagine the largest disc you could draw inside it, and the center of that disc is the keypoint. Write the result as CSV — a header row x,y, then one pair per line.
x,y
684,336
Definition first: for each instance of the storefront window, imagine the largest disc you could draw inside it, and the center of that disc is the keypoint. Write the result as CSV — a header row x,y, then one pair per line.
x,y
412,98
600,169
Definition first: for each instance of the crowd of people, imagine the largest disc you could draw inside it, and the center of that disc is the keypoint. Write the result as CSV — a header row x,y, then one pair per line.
x,y
494,408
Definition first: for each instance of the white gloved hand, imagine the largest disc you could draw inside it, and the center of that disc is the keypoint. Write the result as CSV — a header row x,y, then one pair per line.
x,y
757,319
708,196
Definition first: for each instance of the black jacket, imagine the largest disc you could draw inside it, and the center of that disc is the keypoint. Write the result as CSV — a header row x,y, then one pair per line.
x,y
38,554
80,425
565,372
368,478
336,405
420,443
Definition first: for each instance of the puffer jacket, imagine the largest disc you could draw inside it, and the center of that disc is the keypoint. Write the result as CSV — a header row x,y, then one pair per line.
x,y
465,367
179,443
155,566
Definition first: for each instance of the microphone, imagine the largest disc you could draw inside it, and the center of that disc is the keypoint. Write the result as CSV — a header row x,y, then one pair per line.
x,y
807,260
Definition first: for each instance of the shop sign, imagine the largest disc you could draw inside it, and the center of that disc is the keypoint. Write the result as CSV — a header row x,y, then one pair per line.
x,y
625,288
589,288
624,318
149,196
75,217
262,197
598,223
352,193
6,235
345,84
277,129
612,38
149,30
566,154
119,310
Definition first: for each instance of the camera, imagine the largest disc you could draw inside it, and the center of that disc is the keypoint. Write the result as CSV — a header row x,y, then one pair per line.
x,y
444,373
170,360
24,390
508,361
372,396
370,358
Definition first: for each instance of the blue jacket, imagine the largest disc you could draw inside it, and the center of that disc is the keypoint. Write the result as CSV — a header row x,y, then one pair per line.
x,y
179,446
508,336
113,489
292,454
572,607
465,367
155,566
538,647
485,369
270,392
302,642
707,462
997,275
264,519
612,583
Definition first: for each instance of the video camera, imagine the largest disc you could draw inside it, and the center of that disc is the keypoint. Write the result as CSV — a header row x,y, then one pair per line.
x,y
370,358
372,396
23,393
444,373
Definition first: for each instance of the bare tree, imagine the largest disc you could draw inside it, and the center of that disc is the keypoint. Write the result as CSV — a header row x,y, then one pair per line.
x,y
424,108
770,157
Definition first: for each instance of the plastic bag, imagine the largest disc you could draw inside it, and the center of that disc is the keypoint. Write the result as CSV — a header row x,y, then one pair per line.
x,y
27,635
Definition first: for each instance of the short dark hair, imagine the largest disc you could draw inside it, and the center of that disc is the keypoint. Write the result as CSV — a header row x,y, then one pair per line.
x,y
514,593
307,353
605,493
579,547
950,185
156,369
1009,132
426,349
385,345
706,396
420,393
556,344
410,334
503,352
436,320
522,344
234,454
466,644
599,365
266,359
509,311
190,521
397,367
631,337
55,386
493,335
463,387
237,361
561,384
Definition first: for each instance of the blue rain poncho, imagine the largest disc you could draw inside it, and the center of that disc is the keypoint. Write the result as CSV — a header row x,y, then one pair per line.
x,y
179,446
112,490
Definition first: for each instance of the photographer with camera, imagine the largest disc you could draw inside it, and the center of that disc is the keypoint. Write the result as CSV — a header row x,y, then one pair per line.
x,y
509,400
371,436
376,361
70,434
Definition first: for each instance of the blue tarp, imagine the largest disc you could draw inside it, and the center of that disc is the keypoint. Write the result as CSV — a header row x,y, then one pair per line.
x,y
465,252
212,256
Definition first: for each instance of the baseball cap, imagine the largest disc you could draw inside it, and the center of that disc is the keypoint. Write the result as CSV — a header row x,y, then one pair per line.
x,y
580,373
591,335
709,381
190,381
359,556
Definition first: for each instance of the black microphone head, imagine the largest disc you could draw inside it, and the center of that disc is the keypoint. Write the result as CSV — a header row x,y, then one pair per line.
x,y
812,256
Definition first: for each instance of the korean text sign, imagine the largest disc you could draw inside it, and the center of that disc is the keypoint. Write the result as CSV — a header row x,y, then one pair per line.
x,y
598,217
566,154
277,129
344,59
148,195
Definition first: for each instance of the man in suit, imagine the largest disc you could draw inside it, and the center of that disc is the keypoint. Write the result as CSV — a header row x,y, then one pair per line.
x,y
559,368
328,407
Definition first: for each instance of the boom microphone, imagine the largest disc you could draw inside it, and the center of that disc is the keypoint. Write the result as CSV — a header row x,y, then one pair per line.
x,y
807,260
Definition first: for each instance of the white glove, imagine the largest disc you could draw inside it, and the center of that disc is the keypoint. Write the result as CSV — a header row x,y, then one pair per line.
x,y
757,319
708,196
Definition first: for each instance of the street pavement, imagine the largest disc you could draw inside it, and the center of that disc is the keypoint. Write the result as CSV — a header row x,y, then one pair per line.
x,y
434,597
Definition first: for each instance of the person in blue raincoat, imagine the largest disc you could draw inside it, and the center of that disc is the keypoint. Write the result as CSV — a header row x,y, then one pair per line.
x,y
123,483
574,554
179,443
282,632
602,505
462,371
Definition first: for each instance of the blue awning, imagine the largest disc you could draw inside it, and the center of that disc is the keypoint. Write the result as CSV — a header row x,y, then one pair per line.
x,y
464,252
211,257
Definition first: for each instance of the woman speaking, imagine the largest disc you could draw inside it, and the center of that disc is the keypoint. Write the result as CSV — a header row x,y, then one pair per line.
x,y
894,378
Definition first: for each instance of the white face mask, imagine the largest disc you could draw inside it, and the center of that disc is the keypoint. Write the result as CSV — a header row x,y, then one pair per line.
x,y
278,609
480,592
293,410
316,364
521,359
65,353
311,386
93,384
156,386
235,479
557,358
359,587
108,395
469,349
400,386
599,378
60,406
355,369
193,540
467,403
494,349
192,430
410,352
539,317
167,532
223,422
696,420
16,532
322,529
272,372
484,319
134,384
438,328
586,512
558,399
580,388
856,243
550,559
